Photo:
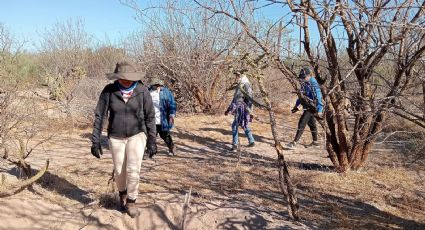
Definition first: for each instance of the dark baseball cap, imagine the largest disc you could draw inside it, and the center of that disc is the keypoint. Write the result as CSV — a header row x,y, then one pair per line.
x,y
304,72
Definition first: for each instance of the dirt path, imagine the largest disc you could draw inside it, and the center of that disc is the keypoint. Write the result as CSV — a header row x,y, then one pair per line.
x,y
227,194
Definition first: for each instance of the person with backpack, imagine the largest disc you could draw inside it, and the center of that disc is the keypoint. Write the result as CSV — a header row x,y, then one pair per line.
x,y
165,112
311,101
131,127
241,107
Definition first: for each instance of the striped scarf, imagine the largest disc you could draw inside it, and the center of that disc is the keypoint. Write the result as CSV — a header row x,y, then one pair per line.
x,y
127,92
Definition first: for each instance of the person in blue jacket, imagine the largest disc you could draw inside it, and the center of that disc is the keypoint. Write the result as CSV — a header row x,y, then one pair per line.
x,y
165,112
312,104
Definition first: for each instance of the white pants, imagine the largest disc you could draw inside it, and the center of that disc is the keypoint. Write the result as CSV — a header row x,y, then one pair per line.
x,y
127,155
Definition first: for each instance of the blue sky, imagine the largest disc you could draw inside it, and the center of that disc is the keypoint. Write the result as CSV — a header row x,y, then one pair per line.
x,y
26,19
104,19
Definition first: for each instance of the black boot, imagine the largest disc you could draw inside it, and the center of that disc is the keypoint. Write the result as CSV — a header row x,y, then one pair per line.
x,y
123,198
172,150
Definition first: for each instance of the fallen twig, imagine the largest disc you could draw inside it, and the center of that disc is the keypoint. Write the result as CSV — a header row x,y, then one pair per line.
x,y
185,208
8,191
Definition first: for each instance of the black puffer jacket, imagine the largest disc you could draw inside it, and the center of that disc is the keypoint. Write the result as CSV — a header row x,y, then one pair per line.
x,y
125,119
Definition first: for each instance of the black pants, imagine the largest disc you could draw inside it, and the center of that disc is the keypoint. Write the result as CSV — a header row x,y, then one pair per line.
x,y
306,119
165,135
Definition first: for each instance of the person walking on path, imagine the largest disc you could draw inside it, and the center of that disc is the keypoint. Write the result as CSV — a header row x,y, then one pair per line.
x,y
165,112
131,127
241,107
312,104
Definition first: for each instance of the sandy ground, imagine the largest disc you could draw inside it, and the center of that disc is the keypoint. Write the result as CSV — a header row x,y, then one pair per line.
x,y
227,193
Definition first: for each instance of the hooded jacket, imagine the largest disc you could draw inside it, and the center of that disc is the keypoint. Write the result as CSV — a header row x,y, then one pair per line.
x,y
125,119
311,89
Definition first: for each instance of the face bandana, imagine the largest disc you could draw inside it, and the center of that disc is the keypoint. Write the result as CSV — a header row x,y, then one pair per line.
x,y
155,87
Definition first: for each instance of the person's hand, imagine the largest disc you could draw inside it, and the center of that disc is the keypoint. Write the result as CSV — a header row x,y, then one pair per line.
x,y
295,109
151,147
171,120
96,150
320,115
251,117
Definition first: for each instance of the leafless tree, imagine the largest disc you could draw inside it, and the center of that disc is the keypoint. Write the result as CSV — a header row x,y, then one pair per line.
x,y
377,34
186,49
64,58
22,118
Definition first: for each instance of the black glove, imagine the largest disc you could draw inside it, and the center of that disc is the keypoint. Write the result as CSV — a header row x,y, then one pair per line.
x,y
295,109
151,147
96,150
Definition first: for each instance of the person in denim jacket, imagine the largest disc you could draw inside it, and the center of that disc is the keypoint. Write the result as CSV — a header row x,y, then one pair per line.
x,y
165,112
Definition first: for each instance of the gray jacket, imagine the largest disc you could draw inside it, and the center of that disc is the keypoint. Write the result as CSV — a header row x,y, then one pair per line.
x,y
239,96
125,119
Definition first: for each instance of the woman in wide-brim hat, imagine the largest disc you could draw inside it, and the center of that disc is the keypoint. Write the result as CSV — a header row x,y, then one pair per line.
x,y
131,128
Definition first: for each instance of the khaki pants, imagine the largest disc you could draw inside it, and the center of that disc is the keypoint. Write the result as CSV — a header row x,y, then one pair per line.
x,y
127,155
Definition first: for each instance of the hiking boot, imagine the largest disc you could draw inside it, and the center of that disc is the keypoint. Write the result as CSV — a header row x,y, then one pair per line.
x,y
131,208
292,145
315,144
252,144
172,151
234,148
123,198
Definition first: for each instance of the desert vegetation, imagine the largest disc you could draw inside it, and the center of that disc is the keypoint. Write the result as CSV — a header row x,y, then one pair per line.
x,y
368,57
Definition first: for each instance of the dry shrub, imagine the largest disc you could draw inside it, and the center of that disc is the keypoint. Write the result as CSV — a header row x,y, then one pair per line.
x,y
73,70
23,116
189,52
415,148
408,137
101,61
64,56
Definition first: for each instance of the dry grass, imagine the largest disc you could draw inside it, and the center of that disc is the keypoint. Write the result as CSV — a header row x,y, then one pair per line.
x,y
379,198
382,196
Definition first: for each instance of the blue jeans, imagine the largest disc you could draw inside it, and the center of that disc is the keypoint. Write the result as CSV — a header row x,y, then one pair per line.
x,y
235,133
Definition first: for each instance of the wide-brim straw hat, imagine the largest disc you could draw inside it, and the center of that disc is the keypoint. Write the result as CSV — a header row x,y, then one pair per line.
x,y
125,70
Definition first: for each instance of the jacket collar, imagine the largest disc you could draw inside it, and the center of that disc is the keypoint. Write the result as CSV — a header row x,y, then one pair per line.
x,y
138,90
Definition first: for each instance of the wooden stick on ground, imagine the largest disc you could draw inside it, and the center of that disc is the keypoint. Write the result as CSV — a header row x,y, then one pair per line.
x,y
8,191
185,208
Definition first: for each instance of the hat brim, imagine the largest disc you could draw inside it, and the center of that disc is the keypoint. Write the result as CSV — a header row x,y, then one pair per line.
x,y
132,76
157,83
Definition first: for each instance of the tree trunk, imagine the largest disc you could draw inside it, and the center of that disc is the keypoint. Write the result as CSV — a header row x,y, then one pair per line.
x,y
359,156
423,93
284,177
